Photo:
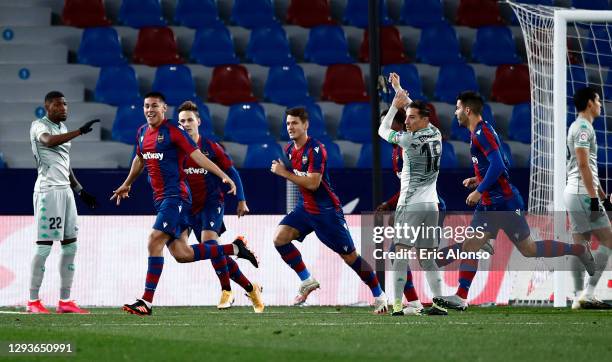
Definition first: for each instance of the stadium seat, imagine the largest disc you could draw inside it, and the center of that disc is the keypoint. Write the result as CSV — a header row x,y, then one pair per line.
x,y
494,45
462,133
84,13
175,82
213,46
156,46
269,46
261,155
253,13
327,45
334,155
141,13
576,79
246,123
598,46
316,122
206,126
127,121
433,116
100,47
230,84
197,13
356,13
286,85
448,159
511,84
117,86
452,80
519,128
409,80
309,13
3,164
391,48
477,13
439,45
355,124
344,84
507,153
365,155
591,4
421,13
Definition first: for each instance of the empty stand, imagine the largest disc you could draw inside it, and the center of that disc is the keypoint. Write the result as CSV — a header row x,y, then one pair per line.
x,y
344,84
197,13
494,45
439,45
421,13
100,47
175,83
453,79
327,45
84,13
213,46
269,46
309,13
286,85
355,124
156,46
391,48
253,13
511,84
246,123
141,13
117,86
230,84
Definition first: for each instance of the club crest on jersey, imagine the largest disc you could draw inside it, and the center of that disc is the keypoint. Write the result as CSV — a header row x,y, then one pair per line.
x,y
304,159
474,160
160,138
316,149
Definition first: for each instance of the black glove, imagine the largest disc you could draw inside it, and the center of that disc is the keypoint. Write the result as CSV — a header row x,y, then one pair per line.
x,y
594,204
607,204
86,128
88,199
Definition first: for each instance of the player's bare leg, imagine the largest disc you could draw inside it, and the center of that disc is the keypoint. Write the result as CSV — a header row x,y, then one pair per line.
x,y
367,275
587,299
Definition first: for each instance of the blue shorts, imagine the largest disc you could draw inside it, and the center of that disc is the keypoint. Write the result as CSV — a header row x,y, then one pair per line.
x,y
209,218
172,216
508,215
329,226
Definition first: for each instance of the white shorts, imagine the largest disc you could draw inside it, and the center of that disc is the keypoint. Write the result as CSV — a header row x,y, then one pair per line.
x,y
579,211
56,215
422,222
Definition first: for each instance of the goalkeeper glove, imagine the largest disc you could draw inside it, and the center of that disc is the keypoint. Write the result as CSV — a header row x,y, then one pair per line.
x,y
88,199
86,128
607,204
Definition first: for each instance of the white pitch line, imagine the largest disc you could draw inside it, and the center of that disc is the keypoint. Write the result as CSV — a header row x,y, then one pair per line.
x,y
12,312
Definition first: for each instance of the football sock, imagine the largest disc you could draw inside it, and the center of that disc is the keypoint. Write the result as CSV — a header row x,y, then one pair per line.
x,y
601,260
291,255
467,272
204,251
444,252
577,271
553,248
365,272
220,265
237,276
38,269
66,269
409,291
156,265
432,274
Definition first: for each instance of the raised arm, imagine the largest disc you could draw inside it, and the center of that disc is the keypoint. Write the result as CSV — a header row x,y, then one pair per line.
x,y
49,140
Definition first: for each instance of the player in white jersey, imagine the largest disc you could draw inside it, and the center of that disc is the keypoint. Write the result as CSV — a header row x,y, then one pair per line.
x,y
54,207
584,195
417,206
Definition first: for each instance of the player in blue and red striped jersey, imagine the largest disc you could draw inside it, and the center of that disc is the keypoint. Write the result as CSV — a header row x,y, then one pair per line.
x,y
208,206
498,203
318,210
162,149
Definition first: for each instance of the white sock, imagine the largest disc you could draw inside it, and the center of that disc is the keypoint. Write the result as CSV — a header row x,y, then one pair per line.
x,y
400,266
66,269
38,269
432,274
601,260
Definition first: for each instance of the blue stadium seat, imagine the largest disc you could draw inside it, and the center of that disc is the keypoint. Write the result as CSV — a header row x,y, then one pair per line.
x,y
439,45
356,13
117,86
246,123
507,153
591,4
213,46
365,155
127,121
494,45
253,13
197,13
355,124
421,13
576,79
327,45
269,46
598,47
286,85
206,126
452,80
334,156
409,80
175,82
316,123
448,159
141,13
261,155
519,128
100,47
462,133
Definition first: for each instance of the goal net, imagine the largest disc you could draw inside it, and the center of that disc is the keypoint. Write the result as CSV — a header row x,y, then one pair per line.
x,y
567,49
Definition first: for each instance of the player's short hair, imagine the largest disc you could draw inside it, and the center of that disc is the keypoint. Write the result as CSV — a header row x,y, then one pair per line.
x,y
421,107
53,95
157,95
188,106
299,112
399,117
583,96
473,100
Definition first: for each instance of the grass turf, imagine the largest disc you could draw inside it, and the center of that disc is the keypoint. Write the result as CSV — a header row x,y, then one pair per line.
x,y
319,333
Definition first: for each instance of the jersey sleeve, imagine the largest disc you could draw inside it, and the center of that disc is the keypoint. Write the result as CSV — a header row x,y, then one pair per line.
x,y
400,138
486,141
138,150
317,158
221,158
182,140
38,129
583,137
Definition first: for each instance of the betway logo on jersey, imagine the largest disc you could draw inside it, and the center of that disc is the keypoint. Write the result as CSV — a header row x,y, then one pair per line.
x,y
195,171
300,173
153,156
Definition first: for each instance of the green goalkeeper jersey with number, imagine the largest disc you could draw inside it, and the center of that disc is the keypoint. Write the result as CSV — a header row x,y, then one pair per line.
x,y
580,135
421,151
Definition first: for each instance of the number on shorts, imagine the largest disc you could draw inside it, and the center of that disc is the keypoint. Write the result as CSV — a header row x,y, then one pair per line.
x,y
56,223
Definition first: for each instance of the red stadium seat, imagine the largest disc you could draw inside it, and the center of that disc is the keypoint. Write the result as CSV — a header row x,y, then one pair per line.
x,y
391,46
433,116
477,13
230,84
156,46
344,84
309,13
84,13
511,84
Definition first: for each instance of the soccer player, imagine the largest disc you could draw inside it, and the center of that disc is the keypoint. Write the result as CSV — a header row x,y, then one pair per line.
x,y
318,210
54,207
498,203
162,149
207,207
418,201
583,195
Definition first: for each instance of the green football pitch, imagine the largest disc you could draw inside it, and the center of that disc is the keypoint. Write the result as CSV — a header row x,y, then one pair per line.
x,y
318,334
